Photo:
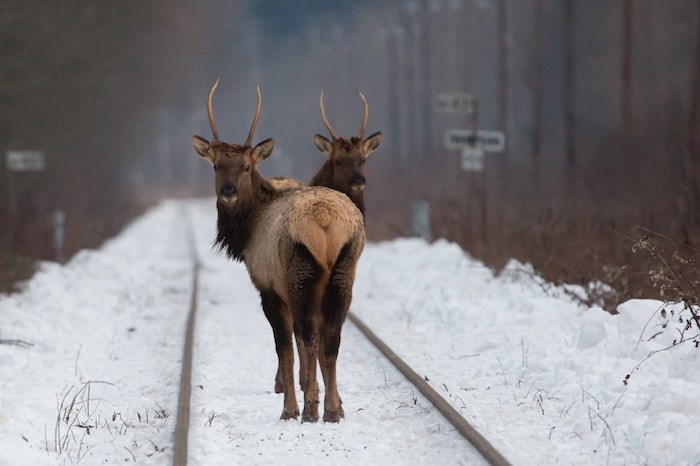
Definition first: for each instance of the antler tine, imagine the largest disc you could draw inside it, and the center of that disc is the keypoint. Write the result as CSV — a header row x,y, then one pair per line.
x,y
325,120
256,118
210,111
364,120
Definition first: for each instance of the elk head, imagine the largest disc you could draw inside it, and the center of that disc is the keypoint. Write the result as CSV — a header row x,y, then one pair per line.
x,y
234,165
346,157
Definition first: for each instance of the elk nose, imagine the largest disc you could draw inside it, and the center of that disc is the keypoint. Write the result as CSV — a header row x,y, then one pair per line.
x,y
228,190
357,180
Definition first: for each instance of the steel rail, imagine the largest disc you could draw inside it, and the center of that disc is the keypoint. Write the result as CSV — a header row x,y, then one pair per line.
x,y
182,426
180,450
482,445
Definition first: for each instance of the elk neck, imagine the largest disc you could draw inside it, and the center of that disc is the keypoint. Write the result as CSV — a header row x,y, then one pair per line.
x,y
235,225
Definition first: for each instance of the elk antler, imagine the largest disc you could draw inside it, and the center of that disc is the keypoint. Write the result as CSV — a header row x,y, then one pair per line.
x,y
210,112
364,120
325,120
256,118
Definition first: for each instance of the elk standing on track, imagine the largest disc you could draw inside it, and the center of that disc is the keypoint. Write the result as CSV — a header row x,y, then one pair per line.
x,y
344,171
300,247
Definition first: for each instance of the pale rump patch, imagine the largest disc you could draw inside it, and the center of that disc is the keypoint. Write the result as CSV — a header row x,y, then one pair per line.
x,y
321,219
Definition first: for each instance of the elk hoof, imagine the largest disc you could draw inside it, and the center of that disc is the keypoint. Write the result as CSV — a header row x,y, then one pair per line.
x,y
308,418
287,415
333,416
279,388
310,413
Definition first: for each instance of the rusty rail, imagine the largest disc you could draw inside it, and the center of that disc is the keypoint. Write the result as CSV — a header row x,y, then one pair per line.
x,y
482,445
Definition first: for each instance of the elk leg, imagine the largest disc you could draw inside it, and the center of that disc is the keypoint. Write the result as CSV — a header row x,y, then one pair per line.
x,y
305,276
302,359
280,319
310,412
327,362
336,302
279,381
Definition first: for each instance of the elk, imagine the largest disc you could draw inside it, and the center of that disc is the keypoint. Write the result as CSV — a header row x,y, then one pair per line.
x,y
344,168
300,247
344,171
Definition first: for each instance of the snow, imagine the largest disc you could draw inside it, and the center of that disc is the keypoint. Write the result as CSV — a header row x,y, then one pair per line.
x,y
536,373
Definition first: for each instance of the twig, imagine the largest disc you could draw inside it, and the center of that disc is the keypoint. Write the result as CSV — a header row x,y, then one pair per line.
x,y
608,426
645,327
20,343
524,351
612,410
677,343
503,372
652,232
564,413
130,452
75,372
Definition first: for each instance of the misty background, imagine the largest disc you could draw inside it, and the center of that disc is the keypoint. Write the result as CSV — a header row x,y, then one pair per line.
x,y
599,101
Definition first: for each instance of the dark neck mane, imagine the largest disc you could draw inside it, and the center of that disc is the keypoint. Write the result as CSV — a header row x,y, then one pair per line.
x,y
234,226
324,177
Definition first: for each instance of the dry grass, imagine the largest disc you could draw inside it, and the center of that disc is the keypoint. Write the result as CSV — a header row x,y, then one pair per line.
x,y
84,229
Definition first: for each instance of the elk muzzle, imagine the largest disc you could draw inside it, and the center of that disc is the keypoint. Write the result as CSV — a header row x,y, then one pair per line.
x,y
357,182
228,192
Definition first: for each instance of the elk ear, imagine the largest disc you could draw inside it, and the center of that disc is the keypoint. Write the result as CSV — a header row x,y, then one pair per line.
x,y
370,144
324,145
201,145
263,150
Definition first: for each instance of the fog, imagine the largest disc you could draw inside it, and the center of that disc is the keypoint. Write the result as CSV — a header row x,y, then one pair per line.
x,y
598,102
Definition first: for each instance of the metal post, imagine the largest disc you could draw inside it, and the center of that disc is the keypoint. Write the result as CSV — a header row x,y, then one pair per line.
x,y
59,220
12,206
420,219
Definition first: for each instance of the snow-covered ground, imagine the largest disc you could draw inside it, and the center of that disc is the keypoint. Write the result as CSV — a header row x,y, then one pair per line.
x,y
538,375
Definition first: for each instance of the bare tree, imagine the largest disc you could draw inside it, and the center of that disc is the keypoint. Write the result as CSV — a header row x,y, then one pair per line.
x,y
537,98
569,96
626,92
691,183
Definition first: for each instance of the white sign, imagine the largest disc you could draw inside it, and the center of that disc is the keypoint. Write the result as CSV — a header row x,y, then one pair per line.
x,y
490,141
25,160
455,103
472,159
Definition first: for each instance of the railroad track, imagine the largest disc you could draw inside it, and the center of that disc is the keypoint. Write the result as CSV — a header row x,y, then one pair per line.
x,y
182,430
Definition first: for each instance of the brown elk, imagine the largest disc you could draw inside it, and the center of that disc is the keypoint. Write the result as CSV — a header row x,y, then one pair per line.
x,y
344,171
300,247
344,168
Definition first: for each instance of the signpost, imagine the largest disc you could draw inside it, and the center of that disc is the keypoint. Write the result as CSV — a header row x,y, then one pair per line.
x,y
20,161
473,144
472,159
490,141
25,160
456,103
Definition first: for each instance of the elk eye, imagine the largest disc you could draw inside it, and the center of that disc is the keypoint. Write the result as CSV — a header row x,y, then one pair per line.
x,y
246,168
215,168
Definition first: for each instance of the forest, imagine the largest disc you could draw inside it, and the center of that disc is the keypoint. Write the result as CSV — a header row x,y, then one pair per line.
x,y
598,102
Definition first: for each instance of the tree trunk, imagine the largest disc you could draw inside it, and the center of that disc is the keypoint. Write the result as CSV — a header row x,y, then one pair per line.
x,y
569,99
626,165
537,101
692,158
